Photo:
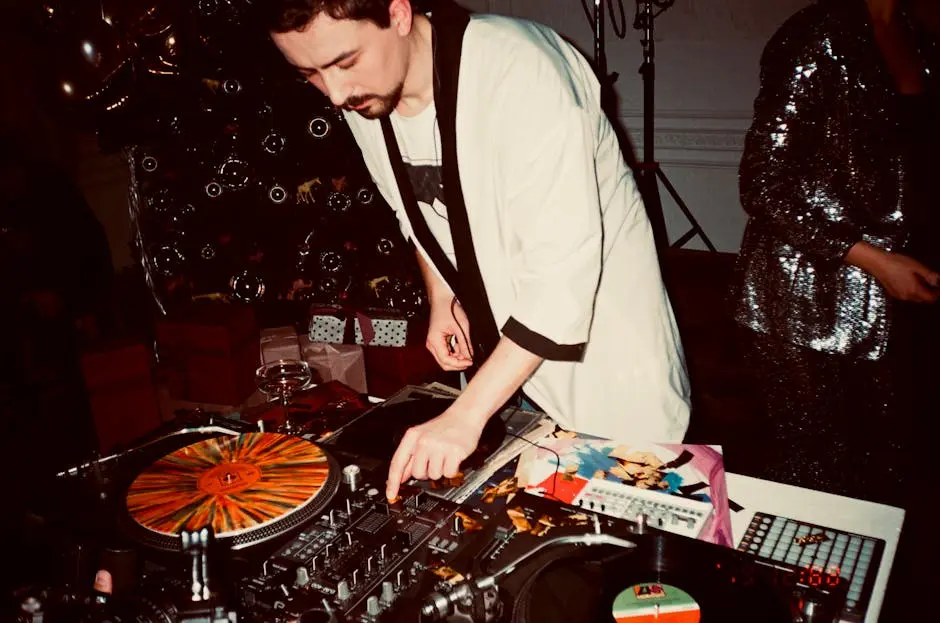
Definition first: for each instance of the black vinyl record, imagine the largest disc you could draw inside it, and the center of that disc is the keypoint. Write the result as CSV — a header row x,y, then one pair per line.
x,y
377,433
715,584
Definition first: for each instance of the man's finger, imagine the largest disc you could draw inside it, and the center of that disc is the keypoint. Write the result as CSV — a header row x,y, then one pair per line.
x,y
419,469
104,583
445,359
436,465
398,465
464,350
451,465
439,355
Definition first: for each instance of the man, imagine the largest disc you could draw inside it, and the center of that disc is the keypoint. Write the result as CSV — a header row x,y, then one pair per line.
x,y
536,251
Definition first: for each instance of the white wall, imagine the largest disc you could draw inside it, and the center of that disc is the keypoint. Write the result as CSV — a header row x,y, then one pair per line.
x,y
707,59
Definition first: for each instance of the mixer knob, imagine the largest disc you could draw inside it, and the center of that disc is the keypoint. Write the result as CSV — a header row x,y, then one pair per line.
x,y
355,577
352,477
342,590
373,609
302,577
458,525
369,565
388,592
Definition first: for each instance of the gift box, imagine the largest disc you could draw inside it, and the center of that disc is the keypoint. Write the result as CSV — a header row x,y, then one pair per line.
x,y
121,393
337,326
327,328
278,344
379,331
215,350
344,363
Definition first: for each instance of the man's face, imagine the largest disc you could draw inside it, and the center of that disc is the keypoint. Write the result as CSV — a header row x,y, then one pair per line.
x,y
358,65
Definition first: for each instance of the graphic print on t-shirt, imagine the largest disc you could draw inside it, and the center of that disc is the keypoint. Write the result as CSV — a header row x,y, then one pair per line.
x,y
419,141
426,181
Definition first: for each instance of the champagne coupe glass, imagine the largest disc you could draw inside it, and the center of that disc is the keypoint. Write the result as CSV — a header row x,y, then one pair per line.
x,y
281,379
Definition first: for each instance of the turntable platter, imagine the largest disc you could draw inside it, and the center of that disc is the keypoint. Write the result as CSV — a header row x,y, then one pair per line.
x,y
248,488
665,580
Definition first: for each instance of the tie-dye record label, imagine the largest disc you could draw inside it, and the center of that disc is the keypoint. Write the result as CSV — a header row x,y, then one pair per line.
x,y
655,603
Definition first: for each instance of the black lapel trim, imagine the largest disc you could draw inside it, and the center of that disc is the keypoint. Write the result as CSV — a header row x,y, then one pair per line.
x,y
450,22
418,225
541,345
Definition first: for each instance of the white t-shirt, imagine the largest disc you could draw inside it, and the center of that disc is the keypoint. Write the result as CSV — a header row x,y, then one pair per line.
x,y
419,140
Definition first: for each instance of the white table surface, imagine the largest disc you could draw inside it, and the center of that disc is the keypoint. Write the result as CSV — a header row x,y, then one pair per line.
x,y
824,509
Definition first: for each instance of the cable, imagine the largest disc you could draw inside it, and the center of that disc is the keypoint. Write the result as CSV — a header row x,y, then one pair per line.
x,y
621,30
453,313
551,493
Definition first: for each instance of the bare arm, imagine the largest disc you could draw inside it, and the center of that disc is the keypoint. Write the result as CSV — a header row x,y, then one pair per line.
x,y
499,378
437,289
437,447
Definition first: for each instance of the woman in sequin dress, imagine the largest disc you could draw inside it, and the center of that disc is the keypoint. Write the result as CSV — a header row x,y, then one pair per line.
x,y
836,282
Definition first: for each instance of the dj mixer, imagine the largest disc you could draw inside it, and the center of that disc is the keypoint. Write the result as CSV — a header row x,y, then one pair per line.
x,y
220,522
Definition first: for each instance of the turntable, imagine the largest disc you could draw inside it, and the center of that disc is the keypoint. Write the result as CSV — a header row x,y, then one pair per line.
x,y
305,533
248,488
541,561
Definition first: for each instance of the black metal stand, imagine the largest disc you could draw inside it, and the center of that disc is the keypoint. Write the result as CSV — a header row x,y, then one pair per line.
x,y
649,171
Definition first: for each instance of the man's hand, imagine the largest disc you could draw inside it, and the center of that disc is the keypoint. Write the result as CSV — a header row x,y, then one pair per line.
x,y
437,447
434,449
448,326
903,277
448,333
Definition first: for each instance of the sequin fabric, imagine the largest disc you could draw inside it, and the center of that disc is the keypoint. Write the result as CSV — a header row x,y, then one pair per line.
x,y
833,422
824,166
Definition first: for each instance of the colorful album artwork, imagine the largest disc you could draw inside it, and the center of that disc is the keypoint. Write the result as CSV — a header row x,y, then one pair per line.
x,y
563,463
231,483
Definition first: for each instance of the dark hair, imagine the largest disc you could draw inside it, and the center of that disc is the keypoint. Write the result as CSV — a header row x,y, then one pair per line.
x,y
289,15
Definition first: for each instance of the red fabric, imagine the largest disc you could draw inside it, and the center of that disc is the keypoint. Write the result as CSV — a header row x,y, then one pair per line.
x,y
389,368
210,353
121,393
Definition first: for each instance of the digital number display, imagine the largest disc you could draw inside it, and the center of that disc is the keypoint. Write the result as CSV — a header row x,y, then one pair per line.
x,y
814,575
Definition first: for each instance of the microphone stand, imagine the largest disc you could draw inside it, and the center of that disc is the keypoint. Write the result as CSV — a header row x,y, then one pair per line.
x,y
650,173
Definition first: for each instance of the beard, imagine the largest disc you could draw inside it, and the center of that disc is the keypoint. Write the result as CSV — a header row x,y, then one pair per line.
x,y
379,105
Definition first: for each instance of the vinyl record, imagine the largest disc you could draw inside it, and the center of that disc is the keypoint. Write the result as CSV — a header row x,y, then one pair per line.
x,y
248,488
378,433
689,583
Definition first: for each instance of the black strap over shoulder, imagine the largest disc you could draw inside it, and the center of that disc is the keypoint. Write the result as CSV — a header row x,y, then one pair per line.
x,y
450,23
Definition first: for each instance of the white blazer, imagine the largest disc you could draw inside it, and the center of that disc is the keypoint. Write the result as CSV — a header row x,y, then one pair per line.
x,y
561,236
